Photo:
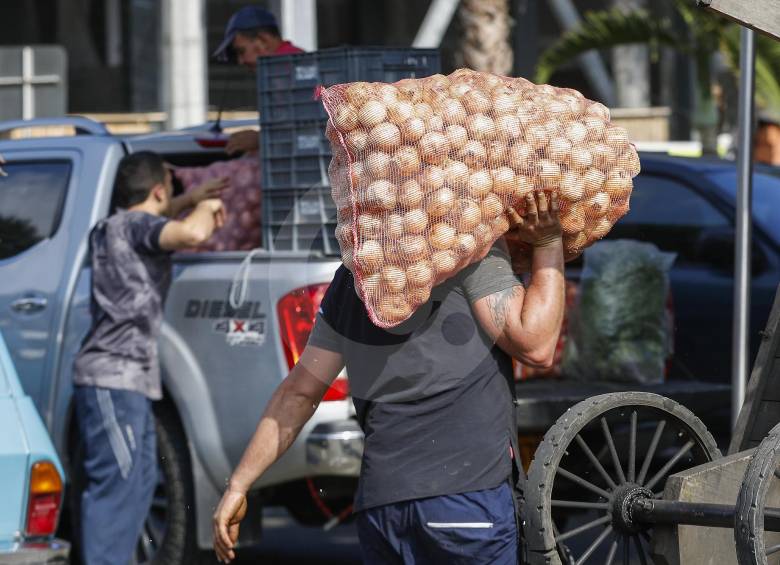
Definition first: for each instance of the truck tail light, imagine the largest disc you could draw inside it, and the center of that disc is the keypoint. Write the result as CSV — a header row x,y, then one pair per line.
x,y
297,311
45,499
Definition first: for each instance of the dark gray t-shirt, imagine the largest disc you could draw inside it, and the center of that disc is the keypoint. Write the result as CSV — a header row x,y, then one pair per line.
x,y
130,279
433,395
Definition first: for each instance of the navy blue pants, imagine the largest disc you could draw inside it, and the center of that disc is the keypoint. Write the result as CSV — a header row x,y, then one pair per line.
x,y
469,528
120,467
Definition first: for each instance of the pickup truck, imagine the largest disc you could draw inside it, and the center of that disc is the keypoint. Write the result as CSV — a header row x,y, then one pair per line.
x,y
215,385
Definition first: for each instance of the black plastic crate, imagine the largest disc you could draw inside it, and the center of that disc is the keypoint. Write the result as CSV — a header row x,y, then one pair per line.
x,y
294,155
286,83
300,220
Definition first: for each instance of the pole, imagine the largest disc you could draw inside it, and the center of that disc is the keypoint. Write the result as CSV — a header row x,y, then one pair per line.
x,y
740,338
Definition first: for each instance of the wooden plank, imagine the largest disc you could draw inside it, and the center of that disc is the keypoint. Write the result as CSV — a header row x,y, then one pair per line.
x,y
760,376
760,15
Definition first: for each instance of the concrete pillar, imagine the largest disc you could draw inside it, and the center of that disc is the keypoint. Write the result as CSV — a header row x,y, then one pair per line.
x,y
184,62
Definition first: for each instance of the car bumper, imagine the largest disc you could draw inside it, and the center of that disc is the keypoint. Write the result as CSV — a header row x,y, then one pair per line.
x,y
52,552
335,448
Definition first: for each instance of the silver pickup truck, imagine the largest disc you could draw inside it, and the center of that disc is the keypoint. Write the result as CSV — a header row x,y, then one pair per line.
x,y
220,365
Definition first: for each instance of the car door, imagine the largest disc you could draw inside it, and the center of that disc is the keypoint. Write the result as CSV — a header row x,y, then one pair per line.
x,y
678,218
49,198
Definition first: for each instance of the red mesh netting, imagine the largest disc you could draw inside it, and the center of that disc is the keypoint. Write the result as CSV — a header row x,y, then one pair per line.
x,y
423,171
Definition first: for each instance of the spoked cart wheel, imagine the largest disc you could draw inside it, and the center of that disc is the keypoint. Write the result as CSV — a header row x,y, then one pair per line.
x,y
600,457
757,519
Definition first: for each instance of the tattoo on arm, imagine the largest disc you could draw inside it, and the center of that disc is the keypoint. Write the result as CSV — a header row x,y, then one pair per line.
x,y
500,304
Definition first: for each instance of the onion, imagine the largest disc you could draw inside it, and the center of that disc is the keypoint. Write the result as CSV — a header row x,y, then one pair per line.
x,y
497,152
601,229
357,173
581,158
504,104
559,149
369,226
372,285
358,93
435,96
480,127
452,111
388,93
618,184
599,110
547,89
458,89
432,178
603,155
439,81
559,109
394,226
410,195
469,214
406,161
372,113
378,165
393,308
483,234
415,221
418,295
549,173
630,160
356,141
480,183
593,180
523,185
394,278
420,274
504,182
412,130
434,148
369,256
574,243
573,220
409,90
491,207
385,136
596,127
456,174
572,186
508,127
444,262
346,118
465,245
442,236
456,135
574,103
344,236
413,247
576,132
520,154
598,204
434,123
473,153
476,102
499,225
440,202
617,138
528,112
379,195
400,111
423,110
537,136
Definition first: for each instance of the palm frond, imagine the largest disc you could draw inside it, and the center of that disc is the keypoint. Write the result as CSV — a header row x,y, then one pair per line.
x,y
605,29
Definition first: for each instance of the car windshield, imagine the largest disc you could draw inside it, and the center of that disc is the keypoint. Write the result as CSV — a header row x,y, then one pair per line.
x,y
766,198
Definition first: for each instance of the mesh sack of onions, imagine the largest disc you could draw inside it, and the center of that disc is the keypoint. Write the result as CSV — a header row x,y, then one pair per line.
x,y
423,171
242,199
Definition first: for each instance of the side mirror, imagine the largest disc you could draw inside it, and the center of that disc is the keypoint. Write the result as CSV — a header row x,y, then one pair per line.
x,y
715,247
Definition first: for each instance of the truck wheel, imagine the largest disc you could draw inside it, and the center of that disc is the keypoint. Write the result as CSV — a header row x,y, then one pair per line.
x,y
760,478
169,534
597,458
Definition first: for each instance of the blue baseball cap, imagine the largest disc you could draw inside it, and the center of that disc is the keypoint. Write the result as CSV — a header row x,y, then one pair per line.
x,y
248,17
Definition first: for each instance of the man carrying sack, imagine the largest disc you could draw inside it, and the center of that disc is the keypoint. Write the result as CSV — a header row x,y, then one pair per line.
x,y
433,396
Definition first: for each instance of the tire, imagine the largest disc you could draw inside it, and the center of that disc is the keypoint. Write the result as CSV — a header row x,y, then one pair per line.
x,y
606,418
169,535
751,501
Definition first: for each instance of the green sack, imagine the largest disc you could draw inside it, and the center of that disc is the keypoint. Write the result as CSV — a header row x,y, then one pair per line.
x,y
619,328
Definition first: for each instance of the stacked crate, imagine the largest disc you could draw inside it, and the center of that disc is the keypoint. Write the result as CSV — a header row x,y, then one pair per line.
x,y
298,211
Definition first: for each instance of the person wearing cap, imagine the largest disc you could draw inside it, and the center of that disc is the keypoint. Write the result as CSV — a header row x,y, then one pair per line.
x,y
251,32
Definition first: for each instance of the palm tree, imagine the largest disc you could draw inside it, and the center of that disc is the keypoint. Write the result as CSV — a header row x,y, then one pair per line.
x,y
485,45
704,35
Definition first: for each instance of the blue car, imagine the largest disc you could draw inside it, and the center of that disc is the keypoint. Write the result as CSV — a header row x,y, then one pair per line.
x,y
31,478
687,206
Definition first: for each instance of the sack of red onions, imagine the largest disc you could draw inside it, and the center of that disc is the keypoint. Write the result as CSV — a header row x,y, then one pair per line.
x,y
423,171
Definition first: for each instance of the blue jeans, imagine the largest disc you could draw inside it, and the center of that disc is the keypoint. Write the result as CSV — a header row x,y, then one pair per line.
x,y
120,467
469,528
